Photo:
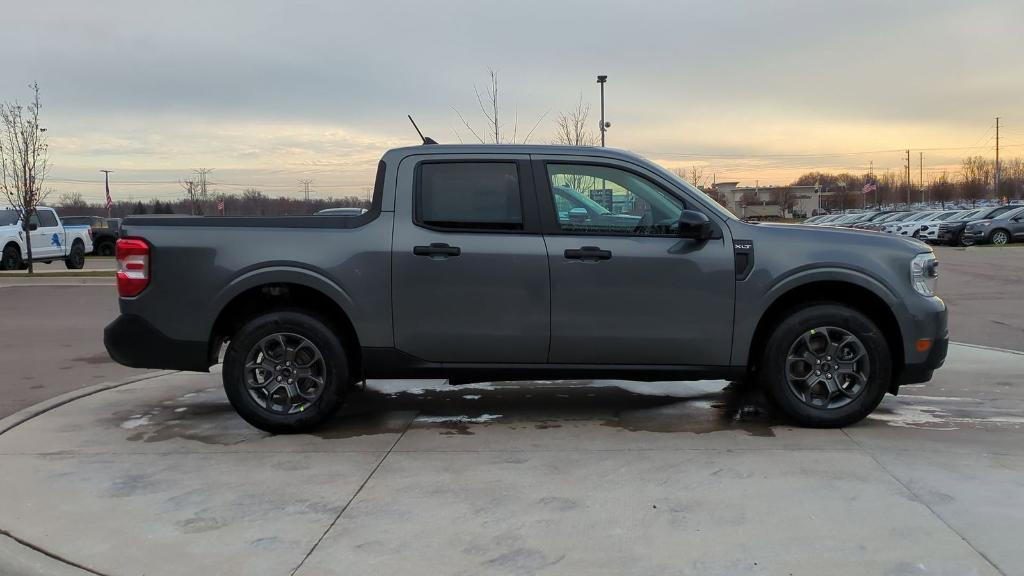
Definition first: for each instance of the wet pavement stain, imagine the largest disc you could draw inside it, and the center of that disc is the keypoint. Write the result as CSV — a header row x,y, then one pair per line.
x,y
205,415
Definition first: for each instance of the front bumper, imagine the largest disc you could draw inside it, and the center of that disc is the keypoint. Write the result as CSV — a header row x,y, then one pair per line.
x,y
976,235
132,341
932,317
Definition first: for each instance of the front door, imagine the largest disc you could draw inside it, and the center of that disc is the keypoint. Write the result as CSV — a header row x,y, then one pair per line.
x,y
625,289
470,272
47,238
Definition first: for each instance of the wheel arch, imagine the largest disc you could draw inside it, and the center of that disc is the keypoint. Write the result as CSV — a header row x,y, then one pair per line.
x,y
849,293
302,290
1009,237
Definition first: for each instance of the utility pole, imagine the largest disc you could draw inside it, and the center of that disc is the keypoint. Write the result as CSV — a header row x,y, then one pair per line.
x,y
920,174
997,158
601,79
305,187
908,179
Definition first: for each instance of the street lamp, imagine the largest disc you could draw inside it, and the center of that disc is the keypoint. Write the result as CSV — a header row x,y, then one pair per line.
x,y
604,126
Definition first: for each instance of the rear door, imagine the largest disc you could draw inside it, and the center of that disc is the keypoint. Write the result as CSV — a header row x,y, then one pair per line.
x,y
470,271
625,288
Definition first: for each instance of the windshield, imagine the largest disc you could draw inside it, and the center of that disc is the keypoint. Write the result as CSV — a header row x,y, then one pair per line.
x,y
947,215
708,200
1010,214
9,217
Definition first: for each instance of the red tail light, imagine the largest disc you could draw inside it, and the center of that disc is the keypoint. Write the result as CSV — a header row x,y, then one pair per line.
x,y
132,266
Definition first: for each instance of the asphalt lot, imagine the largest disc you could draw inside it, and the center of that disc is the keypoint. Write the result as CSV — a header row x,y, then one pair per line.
x,y
91,263
594,477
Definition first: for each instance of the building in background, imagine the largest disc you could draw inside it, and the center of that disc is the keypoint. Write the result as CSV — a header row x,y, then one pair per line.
x,y
765,202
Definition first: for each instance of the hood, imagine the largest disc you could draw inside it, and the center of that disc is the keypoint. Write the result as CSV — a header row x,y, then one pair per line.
x,y
847,237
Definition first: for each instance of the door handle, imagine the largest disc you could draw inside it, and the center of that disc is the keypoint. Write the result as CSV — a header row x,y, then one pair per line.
x,y
590,253
437,250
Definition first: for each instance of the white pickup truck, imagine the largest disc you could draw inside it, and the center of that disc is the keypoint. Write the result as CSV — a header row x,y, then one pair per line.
x,y
50,240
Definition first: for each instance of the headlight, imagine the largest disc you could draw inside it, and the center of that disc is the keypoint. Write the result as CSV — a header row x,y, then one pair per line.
x,y
924,273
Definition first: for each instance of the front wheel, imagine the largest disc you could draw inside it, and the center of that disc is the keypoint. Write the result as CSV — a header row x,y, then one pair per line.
x,y
964,240
285,372
1000,237
827,366
76,258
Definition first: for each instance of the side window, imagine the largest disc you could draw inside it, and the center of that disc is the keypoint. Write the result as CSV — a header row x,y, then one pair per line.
x,y
605,200
34,219
47,219
469,195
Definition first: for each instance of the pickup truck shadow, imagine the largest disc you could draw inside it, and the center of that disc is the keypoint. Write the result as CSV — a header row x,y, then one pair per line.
x,y
205,415
457,409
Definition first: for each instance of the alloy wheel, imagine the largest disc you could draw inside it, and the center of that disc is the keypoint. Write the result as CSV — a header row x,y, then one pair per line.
x,y
1000,237
285,373
827,367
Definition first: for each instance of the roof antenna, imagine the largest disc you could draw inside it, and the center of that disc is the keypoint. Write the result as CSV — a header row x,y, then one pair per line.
x,y
426,139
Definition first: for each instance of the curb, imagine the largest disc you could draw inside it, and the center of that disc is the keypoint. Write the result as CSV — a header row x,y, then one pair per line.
x,y
26,414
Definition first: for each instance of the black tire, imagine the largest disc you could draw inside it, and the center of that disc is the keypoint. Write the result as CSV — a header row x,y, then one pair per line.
x,y
10,259
999,237
806,320
963,240
297,323
105,248
76,258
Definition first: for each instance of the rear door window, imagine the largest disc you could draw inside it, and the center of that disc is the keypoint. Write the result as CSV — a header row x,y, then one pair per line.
x,y
469,195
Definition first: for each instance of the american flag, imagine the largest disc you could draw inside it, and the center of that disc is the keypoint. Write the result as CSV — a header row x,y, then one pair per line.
x,y
110,203
220,205
869,187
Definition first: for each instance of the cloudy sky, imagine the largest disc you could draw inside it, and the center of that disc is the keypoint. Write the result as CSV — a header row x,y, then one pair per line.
x,y
269,92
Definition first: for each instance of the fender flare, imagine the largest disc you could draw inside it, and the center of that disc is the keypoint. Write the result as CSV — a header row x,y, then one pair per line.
x,y
810,275
278,274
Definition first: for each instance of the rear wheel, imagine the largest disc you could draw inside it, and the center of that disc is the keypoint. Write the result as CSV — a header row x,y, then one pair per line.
x,y
11,258
105,248
827,366
76,258
1000,237
285,372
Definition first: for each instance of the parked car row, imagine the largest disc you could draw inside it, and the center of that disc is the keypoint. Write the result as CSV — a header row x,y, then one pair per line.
x,y
992,224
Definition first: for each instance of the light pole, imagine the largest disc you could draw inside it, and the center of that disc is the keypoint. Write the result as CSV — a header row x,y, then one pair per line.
x,y
601,79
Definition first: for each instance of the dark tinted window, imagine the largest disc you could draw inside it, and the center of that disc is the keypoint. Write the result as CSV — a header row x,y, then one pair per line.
x,y
479,195
47,219
76,220
8,217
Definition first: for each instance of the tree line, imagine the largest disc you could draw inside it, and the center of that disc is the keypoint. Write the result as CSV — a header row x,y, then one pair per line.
x,y
251,202
974,181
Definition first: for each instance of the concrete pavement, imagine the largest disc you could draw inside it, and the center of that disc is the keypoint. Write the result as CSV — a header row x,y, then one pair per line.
x,y
161,477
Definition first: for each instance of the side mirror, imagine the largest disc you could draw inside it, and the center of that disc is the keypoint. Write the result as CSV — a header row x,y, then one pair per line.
x,y
578,215
32,227
694,225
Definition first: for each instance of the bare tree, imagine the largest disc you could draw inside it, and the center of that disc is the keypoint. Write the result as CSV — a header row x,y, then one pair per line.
x,y
571,127
24,161
694,175
72,202
491,110
941,189
976,172
197,190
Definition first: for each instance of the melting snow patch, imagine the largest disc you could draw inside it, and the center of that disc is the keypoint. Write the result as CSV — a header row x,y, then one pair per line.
x,y
481,419
133,423
472,396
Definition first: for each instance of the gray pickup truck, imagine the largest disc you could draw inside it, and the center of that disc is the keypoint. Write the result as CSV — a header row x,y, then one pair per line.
x,y
479,263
